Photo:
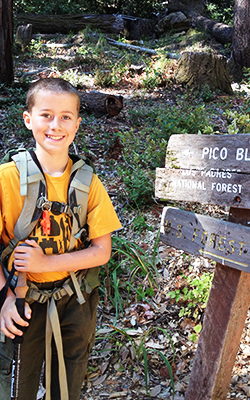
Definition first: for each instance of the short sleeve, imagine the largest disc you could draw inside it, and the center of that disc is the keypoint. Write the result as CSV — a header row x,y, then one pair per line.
x,y
102,218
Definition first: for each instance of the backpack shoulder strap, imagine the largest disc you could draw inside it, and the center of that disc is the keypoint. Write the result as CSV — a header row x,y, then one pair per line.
x,y
81,177
32,186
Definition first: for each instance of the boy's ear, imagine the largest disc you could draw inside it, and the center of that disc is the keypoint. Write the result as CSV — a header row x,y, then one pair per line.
x,y
78,123
27,119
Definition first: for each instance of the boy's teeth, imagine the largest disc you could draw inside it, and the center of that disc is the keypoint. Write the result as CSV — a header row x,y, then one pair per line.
x,y
55,137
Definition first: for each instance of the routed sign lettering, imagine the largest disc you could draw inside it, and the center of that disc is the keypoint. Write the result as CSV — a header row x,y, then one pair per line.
x,y
206,168
221,241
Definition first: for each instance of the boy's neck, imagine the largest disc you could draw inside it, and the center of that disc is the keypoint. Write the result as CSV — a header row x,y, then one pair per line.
x,y
52,164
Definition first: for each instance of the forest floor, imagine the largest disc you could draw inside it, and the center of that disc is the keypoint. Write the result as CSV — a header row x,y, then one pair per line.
x,y
135,330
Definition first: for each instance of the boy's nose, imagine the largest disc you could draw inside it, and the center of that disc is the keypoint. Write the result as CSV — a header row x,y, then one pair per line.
x,y
55,123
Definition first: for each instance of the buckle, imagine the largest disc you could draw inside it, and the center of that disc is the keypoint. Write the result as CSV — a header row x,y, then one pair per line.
x,y
44,203
12,243
56,208
78,209
58,294
59,208
42,297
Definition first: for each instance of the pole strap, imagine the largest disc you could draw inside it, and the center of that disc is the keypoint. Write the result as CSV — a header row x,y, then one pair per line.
x,y
53,328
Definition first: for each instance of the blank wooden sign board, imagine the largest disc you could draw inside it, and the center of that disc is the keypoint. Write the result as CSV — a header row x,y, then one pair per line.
x,y
212,170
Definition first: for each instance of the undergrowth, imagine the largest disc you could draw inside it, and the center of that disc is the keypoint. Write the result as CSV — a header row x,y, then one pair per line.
x,y
132,271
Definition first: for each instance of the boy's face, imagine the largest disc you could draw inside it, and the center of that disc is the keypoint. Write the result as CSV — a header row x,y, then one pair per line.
x,y
53,120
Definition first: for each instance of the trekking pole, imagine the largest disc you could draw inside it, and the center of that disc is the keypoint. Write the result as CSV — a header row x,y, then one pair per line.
x,y
20,290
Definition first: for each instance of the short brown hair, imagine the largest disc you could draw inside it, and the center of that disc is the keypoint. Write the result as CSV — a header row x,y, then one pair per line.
x,y
57,85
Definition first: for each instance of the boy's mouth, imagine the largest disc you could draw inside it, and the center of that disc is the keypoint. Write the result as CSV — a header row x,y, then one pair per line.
x,y
54,137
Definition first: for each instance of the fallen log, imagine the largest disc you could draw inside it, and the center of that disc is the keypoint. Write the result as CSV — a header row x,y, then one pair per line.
x,y
108,23
101,104
221,32
132,47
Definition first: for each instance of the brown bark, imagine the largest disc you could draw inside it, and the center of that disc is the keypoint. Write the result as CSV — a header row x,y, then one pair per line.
x,y
6,41
223,324
221,32
200,69
75,23
241,37
24,35
101,104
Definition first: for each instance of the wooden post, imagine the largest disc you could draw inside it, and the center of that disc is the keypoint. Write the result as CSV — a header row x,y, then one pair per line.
x,y
212,170
223,324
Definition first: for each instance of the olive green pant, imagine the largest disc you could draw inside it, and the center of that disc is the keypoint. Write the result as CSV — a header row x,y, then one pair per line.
x,y
78,324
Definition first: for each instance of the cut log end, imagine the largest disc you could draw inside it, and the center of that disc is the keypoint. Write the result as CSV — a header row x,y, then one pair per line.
x,y
101,104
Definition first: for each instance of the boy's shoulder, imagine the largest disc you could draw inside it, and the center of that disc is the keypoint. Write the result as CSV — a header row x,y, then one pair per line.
x,y
8,166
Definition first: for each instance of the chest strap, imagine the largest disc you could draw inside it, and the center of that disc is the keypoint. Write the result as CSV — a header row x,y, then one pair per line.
x,y
70,286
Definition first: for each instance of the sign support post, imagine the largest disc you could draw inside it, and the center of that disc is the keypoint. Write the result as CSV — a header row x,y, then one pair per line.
x,y
212,170
222,328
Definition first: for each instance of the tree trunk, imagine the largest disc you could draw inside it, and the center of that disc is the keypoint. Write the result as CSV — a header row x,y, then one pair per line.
x,y
75,23
221,32
24,35
6,41
101,104
201,69
241,36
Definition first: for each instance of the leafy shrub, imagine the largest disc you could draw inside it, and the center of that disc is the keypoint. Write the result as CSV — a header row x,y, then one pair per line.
x,y
142,8
145,150
194,294
47,7
238,122
221,11
139,184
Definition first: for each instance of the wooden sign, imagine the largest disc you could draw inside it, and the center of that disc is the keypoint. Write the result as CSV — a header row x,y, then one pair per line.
x,y
211,169
221,241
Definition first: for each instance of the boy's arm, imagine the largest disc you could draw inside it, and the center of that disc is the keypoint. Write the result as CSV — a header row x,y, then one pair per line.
x,y
9,313
33,259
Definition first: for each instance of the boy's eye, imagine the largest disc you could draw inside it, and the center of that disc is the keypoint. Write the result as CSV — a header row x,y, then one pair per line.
x,y
66,117
45,115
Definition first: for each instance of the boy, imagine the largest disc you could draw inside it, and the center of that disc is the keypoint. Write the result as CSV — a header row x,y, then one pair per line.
x,y
53,118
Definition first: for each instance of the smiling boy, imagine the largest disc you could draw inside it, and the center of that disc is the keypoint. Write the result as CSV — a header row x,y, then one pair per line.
x,y
48,260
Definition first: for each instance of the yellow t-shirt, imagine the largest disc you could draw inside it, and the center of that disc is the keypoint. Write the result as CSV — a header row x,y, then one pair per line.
x,y
101,216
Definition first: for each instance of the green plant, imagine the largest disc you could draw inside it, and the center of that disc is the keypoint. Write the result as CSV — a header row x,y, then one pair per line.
x,y
239,122
221,11
144,149
139,184
206,94
193,336
155,73
74,76
194,294
139,223
137,259
36,46
103,79
139,349
129,258
45,7
13,122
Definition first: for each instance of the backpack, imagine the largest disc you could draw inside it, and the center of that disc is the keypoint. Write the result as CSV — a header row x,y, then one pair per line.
x,y
33,186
